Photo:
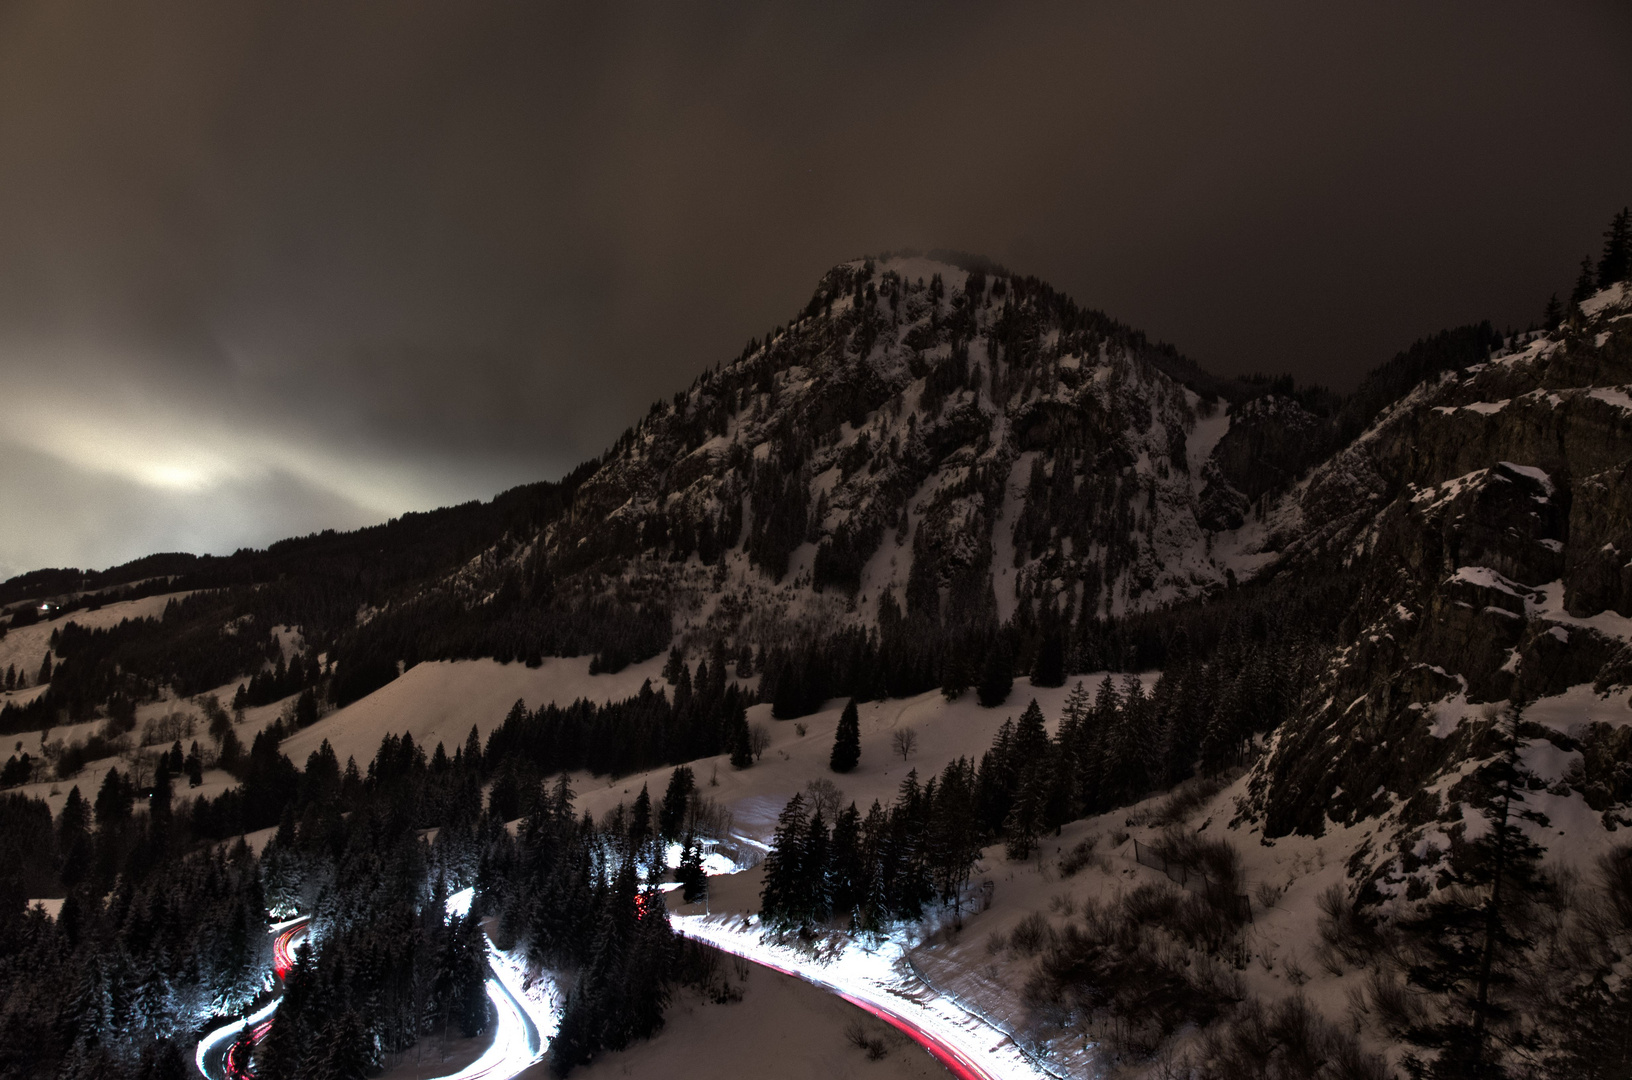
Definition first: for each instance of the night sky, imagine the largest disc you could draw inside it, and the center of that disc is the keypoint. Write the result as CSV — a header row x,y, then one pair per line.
x,y
270,268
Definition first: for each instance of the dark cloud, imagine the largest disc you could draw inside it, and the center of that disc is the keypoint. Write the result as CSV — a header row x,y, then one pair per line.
x,y
403,254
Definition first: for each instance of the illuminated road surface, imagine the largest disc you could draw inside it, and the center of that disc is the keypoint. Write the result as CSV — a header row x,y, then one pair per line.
x,y
517,1040
526,1014
525,1017
214,1054
968,1048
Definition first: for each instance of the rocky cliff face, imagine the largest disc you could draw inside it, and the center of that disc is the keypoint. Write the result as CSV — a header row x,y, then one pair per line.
x,y
1488,513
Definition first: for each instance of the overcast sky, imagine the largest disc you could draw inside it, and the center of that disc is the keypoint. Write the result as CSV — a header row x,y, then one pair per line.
x,y
269,268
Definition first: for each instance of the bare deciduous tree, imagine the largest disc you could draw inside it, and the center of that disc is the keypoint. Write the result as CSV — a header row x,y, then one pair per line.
x,y
904,742
825,796
759,740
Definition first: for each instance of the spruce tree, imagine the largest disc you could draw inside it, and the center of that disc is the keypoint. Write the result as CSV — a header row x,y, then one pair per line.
x,y
847,867
1472,937
847,740
468,971
779,899
1025,821
640,822
1552,316
347,1051
675,666
671,813
691,875
815,898
1586,282
737,740
1616,262
996,679
1049,669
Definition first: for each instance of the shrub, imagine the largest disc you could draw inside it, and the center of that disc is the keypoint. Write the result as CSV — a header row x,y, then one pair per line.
x,y
1078,857
1111,966
1187,798
871,1045
1615,874
1287,1041
1343,930
1396,1005
1032,933
79,754
1218,859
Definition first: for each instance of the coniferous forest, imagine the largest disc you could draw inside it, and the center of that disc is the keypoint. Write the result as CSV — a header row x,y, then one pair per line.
x,y
163,932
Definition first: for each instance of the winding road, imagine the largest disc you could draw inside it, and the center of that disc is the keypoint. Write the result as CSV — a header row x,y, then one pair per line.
x,y
518,1040
868,980
218,1053
871,982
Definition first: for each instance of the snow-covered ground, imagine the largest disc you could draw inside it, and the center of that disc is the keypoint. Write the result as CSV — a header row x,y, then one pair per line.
x,y
877,978
25,646
946,731
193,725
439,701
783,1029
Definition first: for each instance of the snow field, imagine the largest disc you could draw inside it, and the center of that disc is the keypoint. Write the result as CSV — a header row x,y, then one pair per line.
x,y
26,645
439,701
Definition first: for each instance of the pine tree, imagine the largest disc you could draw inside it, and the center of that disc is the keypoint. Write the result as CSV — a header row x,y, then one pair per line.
x,y
1074,744
468,970
671,814
649,970
283,1054
45,670
1129,755
779,899
847,740
306,709
1552,316
1025,821
1616,262
1472,936
996,679
847,868
815,897
674,667
1049,669
347,1050
640,822
953,838
691,875
742,750
1586,283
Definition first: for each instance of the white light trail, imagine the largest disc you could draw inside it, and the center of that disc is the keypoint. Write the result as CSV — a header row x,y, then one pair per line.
x,y
226,1033
869,979
527,1014
509,1053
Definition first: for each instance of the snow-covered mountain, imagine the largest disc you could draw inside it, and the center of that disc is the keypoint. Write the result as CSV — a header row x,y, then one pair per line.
x,y
959,438
1347,627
